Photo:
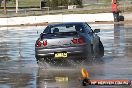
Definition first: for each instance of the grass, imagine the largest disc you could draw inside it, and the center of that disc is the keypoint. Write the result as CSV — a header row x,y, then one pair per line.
x,y
24,3
45,12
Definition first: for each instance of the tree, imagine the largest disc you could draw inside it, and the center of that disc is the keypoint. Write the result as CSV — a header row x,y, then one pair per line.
x,y
55,3
66,2
48,3
0,2
52,3
76,2
79,2
5,11
62,2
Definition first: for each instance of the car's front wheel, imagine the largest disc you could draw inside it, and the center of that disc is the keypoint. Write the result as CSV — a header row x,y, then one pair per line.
x,y
99,51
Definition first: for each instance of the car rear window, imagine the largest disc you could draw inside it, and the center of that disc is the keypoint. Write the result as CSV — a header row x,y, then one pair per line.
x,y
64,28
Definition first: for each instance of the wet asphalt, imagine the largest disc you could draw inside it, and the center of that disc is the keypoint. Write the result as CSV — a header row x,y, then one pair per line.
x,y
19,69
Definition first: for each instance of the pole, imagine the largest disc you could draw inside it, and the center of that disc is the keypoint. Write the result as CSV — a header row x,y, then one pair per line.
x,y
16,6
5,10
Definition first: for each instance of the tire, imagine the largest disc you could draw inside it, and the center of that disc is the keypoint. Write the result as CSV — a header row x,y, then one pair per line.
x,y
50,61
41,59
37,58
101,49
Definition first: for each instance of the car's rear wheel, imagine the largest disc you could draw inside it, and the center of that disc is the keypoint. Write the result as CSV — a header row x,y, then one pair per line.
x,y
37,58
98,51
42,59
51,61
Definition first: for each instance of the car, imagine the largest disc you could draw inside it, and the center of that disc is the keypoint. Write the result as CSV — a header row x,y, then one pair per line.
x,y
70,40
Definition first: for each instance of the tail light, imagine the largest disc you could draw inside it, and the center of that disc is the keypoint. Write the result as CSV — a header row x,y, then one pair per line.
x,y
74,41
38,44
78,41
45,43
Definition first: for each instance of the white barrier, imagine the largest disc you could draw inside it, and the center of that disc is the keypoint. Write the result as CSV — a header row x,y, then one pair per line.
x,y
57,18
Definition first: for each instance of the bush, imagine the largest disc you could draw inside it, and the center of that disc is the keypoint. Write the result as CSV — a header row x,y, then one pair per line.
x,y
0,2
76,2
55,3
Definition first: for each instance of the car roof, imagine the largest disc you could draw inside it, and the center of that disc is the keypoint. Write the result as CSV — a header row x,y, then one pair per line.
x,y
65,23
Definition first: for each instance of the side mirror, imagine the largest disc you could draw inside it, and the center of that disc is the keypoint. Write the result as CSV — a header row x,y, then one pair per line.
x,y
96,30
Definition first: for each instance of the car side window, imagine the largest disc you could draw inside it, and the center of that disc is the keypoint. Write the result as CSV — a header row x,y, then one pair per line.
x,y
87,28
47,30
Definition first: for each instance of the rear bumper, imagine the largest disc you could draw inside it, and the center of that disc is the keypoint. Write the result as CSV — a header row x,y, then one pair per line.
x,y
74,51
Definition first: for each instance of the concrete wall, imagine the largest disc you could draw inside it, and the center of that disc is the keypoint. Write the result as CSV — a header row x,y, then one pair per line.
x,y
57,18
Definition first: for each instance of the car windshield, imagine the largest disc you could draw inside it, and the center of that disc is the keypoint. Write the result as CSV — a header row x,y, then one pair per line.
x,y
64,28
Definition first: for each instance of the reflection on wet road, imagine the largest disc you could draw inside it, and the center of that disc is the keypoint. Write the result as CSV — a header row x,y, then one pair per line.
x,y
18,68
